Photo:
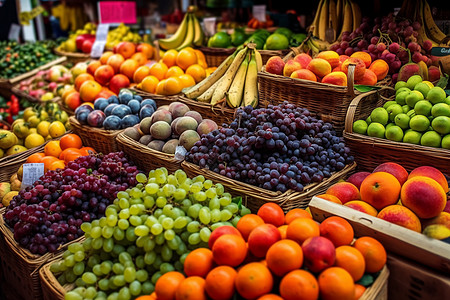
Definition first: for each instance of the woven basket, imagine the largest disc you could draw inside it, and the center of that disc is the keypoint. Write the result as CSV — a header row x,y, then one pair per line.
x,y
369,152
266,54
64,107
146,159
220,113
253,197
215,56
20,266
51,288
73,57
101,140
159,99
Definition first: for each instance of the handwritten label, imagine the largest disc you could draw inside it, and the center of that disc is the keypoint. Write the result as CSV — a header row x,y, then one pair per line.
x,y
31,173
259,12
210,26
100,40
117,12
180,153
14,32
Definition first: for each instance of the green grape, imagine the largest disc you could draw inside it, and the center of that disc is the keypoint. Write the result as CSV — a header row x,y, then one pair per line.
x,y
95,223
113,296
169,234
148,288
215,215
80,291
137,201
160,193
69,261
204,215
135,209
245,211
123,194
200,196
140,263
166,267
78,268
119,280
124,257
180,176
225,215
194,210
167,223
159,172
142,275
123,203
156,276
179,266
102,222
235,221
161,179
97,270
72,296
107,232
118,249
87,244
151,174
179,194
199,178
135,220
111,220
108,245
86,227
186,186
180,222
110,211
204,234
129,234
233,207
96,232
214,203
135,288
182,248
89,278
123,224
66,253
140,177
159,239
129,274
167,210
79,255
171,179
97,243
196,187
216,225
224,201
168,190
177,212
93,260
118,234
149,245
149,201
101,296
174,243
185,235
136,193
151,188
79,282
132,250
103,284
55,267
207,184
161,217
156,229
185,204
124,213
151,220
161,201
193,227
194,239
211,193
141,230
105,255
106,267
149,257
219,189
183,257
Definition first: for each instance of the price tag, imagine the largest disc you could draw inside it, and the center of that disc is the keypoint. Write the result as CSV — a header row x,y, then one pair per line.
x,y
440,51
97,49
259,12
117,12
210,26
180,153
31,173
100,40
14,32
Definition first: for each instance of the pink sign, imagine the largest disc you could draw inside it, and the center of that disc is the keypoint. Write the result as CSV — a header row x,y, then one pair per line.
x,y
117,12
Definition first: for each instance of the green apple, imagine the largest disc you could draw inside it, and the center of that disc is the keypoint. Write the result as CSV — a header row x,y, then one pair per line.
x,y
399,84
389,103
402,120
394,110
441,124
423,88
445,143
400,98
436,95
431,139
406,108
412,137
412,81
419,123
440,109
413,98
402,89
389,125
423,107
360,127
376,130
380,115
394,133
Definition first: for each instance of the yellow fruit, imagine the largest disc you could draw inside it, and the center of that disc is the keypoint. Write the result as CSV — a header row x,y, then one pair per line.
x,y
7,139
15,149
19,142
13,177
21,121
34,140
8,197
56,129
2,153
5,188
21,130
197,72
62,116
43,115
33,121
42,128
437,231
28,112
20,173
32,130
15,185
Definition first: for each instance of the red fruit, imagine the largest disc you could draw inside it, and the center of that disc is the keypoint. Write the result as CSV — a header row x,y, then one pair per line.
x,y
218,232
271,213
261,238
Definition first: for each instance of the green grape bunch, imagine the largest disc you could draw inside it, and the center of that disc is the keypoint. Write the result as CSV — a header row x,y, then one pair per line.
x,y
148,231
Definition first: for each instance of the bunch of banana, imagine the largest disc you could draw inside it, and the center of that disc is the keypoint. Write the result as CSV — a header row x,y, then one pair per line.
x,y
336,17
189,33
234,81
313,45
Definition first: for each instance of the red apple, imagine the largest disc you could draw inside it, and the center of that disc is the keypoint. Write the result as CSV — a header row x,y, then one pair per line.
x,y
118,82
319,253
261,238
357,178
87,46
395,169
275,65
221,231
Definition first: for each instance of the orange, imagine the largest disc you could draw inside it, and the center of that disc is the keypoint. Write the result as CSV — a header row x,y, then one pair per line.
x,y
174,71
350,259
147,49
229,250
359,291
140,58
128,67
380,189
70,140
93,66
186,58
187,80
89,90
192,288
296,213
201,59
283,230
149,84
247,223
270,297
331,198
373,252
210,70
47,161
35,158
299,284
198,262
85,150
173,86
338,230
59,164
197,72
158,70
336,283
141,73
301,229
152,296
65,151
160,87
271,213
115,61
167,285
284,256
105,56
52,148
219,283
254,280
170,57
80,80
72,155
71,89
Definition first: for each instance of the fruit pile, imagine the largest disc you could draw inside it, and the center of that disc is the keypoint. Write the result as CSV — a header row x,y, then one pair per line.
x,y
148,231
49,214
276,148
423,206
234,81
273,256
9,189
37,126
419,115
175,71
172,126
9,110
330,67
17,59
116,112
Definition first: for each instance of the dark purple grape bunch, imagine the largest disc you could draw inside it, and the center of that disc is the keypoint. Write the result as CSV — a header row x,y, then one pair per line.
x,y
276,148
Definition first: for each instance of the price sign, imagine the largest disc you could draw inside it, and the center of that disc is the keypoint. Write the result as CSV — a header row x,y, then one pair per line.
x,y
210,26
180,153
259,12
117,12
100,40
31,173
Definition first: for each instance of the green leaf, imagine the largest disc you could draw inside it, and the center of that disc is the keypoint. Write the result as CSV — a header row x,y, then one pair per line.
x,y
366,88
238,201
366,280
443,81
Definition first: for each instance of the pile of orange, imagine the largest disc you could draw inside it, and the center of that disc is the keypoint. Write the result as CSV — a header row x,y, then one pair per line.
x,y
175,71
283,270
58,153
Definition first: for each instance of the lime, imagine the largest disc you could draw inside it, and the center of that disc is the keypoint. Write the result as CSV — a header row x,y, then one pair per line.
x,y
419,123
394,133
441,124
431,139
360,127
277,41
436,95
238,38
446,142
412,137
440,109
284,31
423,107
376,130
402,120
220,40
412,81
399,84
379,115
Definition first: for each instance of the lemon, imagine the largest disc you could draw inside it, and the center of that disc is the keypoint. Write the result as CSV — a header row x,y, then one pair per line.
x,y
2,153
43,115
8,197
34,140
32,130
48,137
33,121
15,149
19,142
42,128
56,129
28,112
21,130
7,139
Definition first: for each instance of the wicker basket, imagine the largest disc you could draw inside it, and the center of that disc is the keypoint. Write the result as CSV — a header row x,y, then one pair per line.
x,y
20,266
215,56
220,113
146,159
253,197
51,288
64,107
369,152
159,99
101,140
73,57
266,54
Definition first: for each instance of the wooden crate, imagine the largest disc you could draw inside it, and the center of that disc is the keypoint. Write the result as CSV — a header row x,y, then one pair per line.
x,y
396,239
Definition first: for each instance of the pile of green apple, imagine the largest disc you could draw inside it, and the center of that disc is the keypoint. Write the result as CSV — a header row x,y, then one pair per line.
x,y
419,115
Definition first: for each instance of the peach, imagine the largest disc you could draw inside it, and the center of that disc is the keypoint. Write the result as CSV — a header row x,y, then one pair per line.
x,y
360,67
395,169
380,189
402,216
103,74
331,57
365,57
442,219
337,69
369,78
126,49
432,173
344,191
275,65
117,82
380,68
304,59
447,206
115,61
362,207
290,67
336,78
424,196
319,66
261,238
358,178
330,198
304,74
433,73
218,232
343,58
319,253
92,67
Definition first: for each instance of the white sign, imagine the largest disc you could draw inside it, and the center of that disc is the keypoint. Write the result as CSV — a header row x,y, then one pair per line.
x,y
31,173
210,26
180,153
259,12
100,40
14,32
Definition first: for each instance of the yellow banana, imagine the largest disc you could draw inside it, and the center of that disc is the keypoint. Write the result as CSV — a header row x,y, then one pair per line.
x,y
348,19
323,21
315,23
434,32
258,58
332,17
356,11
234,94
199,36
176,39
206,96
251,84
189,38
339,13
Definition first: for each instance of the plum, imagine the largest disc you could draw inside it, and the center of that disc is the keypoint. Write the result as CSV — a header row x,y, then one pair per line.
x,y
125,96
146,111
134,105
121,110
112,123
109,108
101,104
82,116
80,108
113,99
138,98
149,101
96,118
129,121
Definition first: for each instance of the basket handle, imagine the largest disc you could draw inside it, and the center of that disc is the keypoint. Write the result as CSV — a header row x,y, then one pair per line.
x,y
351,79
